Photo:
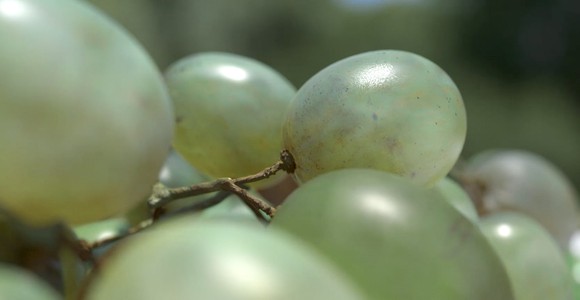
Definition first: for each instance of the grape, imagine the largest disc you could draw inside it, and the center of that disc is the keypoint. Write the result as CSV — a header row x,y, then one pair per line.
x,y
85,120
534,262
573,258
457,197
395,239
574,267
189,259
525,182
388,110
19,284
229,112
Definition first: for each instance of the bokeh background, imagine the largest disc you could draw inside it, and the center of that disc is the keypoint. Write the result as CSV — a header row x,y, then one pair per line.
x,y
517,63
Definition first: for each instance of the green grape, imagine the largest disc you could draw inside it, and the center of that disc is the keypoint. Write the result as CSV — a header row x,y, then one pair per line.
x,y
534,262
457,197
19,284
395,239
574,267
189,259
229,112
516,180
388,110
573,258
85,119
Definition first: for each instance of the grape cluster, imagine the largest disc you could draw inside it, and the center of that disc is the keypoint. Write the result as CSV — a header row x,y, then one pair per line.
x,y
89,129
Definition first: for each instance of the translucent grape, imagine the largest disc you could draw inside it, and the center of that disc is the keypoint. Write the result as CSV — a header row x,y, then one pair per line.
x,y
393,238
19,284
535,264
388,110
85,120
229,112
525,182
190,259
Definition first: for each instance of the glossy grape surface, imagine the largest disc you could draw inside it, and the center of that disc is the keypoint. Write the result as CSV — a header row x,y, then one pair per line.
x,y
85,120
525,182
394,239
535,264
19,284
457,197
229,112
388,110
189,259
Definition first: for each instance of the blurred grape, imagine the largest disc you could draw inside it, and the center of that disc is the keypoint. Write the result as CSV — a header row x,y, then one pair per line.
x,y
191,259
141,18
521,181
395,239
534,262
19,284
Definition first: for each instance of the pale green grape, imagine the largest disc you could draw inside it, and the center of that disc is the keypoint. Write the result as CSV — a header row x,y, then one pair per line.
x,y
456,196
189,259
85,120
229,112
534,262
388,110
19,284
525,182
574,267
393,238
573,258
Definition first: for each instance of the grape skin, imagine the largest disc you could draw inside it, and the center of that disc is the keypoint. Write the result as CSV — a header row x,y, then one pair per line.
x,y
535,264
193,259
389,110
19,284
517,180
229,112
85,120
395,239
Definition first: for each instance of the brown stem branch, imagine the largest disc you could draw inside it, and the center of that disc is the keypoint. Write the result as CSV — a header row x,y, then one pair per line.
x,y
201,205
256,204
161,196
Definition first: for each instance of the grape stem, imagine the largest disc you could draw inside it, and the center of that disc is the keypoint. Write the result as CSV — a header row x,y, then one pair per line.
x,y
137,228
161,195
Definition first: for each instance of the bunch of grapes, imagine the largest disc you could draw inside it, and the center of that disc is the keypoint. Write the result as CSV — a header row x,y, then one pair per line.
x,y
120,182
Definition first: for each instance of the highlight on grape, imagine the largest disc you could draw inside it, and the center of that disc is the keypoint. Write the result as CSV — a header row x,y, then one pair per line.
x,y
122,181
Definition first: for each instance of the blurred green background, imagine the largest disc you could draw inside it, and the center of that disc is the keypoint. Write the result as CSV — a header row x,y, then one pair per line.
x,y
517,63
